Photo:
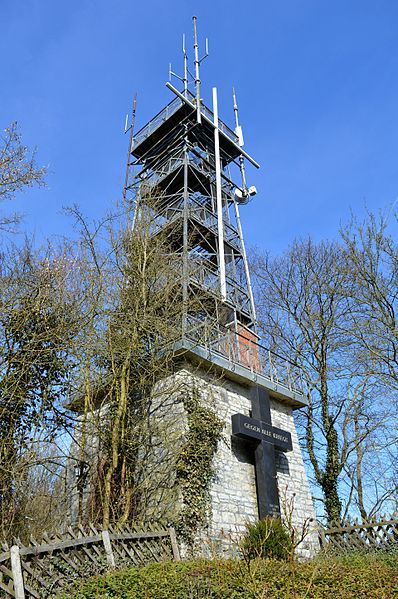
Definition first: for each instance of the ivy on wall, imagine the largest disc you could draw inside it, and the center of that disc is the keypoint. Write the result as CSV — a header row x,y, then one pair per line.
x,y
194,464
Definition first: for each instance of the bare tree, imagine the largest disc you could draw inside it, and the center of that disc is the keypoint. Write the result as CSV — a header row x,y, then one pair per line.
x,y
134,296
37,321
371,265
371,260
18,169
304,308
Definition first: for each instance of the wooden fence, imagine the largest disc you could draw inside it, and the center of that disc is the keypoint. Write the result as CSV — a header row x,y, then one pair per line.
x,y
41,569
365,536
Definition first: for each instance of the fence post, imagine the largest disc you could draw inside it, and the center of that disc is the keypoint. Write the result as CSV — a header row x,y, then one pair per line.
x,y
110,558
17,572
174,544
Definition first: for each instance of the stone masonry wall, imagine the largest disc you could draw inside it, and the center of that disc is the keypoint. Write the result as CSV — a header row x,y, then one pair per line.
x,y
233,497
233,491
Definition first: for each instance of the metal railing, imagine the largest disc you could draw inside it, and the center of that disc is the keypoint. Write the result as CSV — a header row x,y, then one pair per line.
x,y
198,210
169,110
160,171
157,120
207,276
221,125
154,176
240,348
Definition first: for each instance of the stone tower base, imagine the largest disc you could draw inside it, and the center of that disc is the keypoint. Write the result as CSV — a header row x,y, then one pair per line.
x,y
232,492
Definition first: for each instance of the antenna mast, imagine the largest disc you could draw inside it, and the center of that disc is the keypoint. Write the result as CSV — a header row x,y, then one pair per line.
x,y
197,66
184,79
239,133
130,144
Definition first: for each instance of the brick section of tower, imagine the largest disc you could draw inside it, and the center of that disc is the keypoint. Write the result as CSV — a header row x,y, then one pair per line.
x,y
248,348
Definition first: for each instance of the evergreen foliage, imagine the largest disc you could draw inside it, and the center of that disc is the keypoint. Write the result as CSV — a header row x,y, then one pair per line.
x,y
267,538
347,578
194,463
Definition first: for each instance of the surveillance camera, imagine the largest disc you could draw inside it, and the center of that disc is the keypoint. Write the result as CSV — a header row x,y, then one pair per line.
x,y
243,196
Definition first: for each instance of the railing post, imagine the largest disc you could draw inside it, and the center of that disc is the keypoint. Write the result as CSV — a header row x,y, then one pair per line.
x,y
237,345
174,544
16,568
110,558
301,382
289,380
271,375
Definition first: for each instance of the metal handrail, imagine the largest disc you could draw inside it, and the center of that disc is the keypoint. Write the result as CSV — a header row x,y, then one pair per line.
x,y
242,350
210,115
202,213
157,120
168,111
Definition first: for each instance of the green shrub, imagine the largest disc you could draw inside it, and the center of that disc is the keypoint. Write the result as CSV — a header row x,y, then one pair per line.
x,y
322,578
267,538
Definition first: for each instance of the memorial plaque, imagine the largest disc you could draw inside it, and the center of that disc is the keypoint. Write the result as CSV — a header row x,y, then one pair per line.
x,y
256,430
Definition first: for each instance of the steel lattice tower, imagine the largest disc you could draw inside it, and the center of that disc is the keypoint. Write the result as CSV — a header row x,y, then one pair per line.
x,y
182,160
186,177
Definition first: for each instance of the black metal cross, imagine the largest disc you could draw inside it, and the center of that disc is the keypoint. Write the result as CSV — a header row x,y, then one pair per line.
x,y
259,431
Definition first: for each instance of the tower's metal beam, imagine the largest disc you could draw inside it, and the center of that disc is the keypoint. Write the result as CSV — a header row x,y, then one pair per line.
x,y
197,78
205,118
223,283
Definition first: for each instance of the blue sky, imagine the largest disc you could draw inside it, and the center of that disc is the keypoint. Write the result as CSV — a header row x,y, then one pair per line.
x,y
317,88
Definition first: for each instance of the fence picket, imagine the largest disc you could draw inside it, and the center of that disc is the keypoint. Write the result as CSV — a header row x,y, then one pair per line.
x,y
108,549
17,572
174,544
58,559
370,536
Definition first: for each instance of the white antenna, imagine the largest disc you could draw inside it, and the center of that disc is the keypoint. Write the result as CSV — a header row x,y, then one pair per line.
x,y
220,226
239,133
185,64
184,79
198,62
131,129
243,199
238,128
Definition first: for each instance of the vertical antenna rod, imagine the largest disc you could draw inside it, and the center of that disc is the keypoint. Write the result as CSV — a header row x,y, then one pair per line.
x,y
245,261
238,131
197,65
185,79
220,224
130,146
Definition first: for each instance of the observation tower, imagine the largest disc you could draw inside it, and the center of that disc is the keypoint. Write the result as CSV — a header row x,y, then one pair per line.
x,y
190,170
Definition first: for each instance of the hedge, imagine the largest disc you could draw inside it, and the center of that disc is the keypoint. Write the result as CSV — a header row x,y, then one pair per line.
x,y
350,577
